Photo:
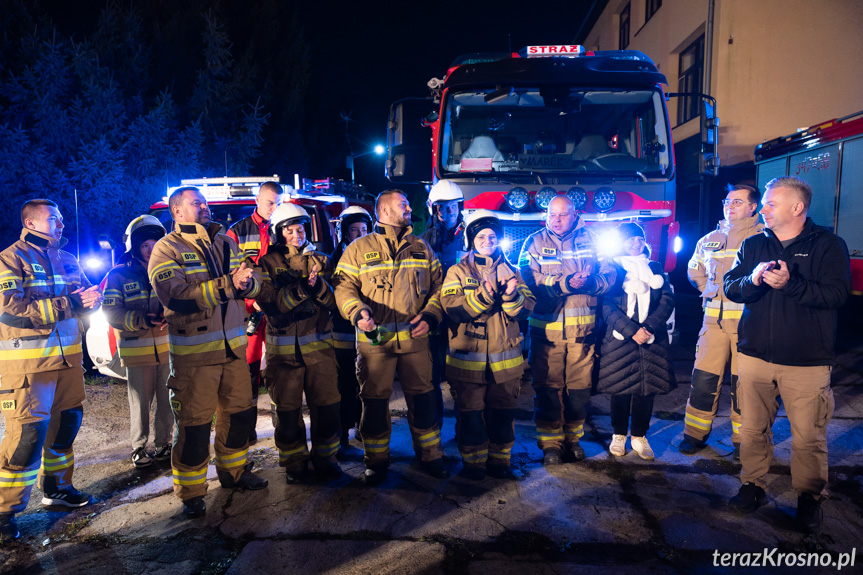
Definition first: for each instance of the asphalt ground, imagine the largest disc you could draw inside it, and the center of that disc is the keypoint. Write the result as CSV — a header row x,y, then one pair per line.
x,y
625,514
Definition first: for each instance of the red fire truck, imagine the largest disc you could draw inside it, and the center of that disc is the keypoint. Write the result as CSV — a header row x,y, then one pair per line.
x,y
515,130
830,157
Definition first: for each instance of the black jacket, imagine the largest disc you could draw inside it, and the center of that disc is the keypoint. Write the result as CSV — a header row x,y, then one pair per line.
x,y
797,324
624,366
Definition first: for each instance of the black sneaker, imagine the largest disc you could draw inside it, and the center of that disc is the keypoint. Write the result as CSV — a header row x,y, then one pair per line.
x,y
473,472
69,497
809,513
690,446
375,477
434,468
736,456
8,528
163,454
748,499
551,457
140,458
574,452
194,507
500,472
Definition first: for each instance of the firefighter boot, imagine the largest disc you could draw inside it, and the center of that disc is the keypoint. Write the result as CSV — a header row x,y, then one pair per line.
x,y
247,480
574,414
472,444
325,441
8,528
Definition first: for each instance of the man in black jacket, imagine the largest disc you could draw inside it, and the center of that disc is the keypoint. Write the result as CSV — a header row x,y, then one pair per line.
x,y
792,278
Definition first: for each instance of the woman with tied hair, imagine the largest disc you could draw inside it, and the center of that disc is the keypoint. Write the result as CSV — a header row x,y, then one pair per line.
x,y
635,362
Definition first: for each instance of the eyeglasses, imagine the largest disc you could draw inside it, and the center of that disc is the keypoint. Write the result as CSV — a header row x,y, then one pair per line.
x,y
735,203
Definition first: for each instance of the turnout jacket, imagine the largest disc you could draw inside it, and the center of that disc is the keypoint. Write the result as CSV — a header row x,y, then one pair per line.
x,y
129,298
299,327
547,262
394,275
795,325
483,327
713,256
40,329
190,269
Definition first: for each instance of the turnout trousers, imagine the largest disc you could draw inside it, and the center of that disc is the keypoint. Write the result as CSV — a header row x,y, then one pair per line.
x,y
197,393
376,372
146,382
561,380
286,385
717,346
43,415
486,428
809,403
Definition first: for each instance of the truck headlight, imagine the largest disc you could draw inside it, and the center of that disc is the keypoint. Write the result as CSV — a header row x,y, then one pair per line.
x,y
578,197
517,199
544,197
603,199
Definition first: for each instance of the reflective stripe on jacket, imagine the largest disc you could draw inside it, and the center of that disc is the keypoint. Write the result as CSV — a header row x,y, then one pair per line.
x,y
547,263
484,331
713,256
39,325
393,278
190,269
129,297
299,327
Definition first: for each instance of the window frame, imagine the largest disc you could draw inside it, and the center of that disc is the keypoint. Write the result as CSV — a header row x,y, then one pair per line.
x,y
625,24
690,80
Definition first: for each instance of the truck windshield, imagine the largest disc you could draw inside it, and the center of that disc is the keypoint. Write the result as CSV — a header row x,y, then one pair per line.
x,y
556,129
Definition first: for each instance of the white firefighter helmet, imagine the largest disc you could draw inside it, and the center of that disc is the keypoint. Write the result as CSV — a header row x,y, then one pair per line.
x,y
478,221
351,215
287,214
443,191
144,228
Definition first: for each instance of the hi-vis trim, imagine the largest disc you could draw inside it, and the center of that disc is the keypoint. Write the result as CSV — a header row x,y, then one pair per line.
x,y
697,422
64,461
346,307
325,449
549,434
574,433
429,439
205,342
233,460
501,456
190,477
480,456
288,454
377,445
18,478
568,317
286,344
477,361
474,303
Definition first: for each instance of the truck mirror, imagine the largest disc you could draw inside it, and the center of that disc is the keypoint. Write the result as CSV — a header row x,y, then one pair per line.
x,y
708,159
409,149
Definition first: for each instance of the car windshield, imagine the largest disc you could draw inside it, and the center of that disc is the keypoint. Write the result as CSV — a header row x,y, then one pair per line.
x,y
556,129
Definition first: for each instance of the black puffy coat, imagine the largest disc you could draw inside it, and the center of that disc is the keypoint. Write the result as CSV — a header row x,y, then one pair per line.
x,y
626,368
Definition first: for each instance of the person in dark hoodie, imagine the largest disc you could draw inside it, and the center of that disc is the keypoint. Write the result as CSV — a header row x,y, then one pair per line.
x,y
635,361
791,279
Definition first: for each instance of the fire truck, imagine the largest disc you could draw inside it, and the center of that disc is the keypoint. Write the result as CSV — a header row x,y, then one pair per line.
x,y
230,200
515,130
829,156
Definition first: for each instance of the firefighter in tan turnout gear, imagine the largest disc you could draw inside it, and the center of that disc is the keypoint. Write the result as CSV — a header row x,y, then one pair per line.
x,y
717,341
133,310
388,285
561,267
202,278
297,299
43,295
485,297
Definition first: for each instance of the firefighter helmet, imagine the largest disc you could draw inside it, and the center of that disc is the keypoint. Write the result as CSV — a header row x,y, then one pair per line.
x,y
285,215
478,221
443,191
352,215
141,229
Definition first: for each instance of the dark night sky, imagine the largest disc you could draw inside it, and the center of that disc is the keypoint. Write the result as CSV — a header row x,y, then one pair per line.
x,y
365,55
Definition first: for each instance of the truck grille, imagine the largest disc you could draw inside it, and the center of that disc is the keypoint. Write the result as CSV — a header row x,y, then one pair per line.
x,y
516,233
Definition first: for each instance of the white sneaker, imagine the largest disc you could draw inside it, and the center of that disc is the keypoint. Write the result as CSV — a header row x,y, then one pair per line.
x,y
642,448
618,445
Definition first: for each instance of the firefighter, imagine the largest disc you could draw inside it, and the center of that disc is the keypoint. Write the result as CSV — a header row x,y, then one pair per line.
x,y
354,222
43,295
133,310
201,278
561,267
297,298
485,297
252,235
717,341
388,285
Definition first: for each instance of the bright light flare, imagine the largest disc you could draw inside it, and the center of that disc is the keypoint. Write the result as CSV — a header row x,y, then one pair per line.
x,y
506,245
609,242
379,150
93,263
677,245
